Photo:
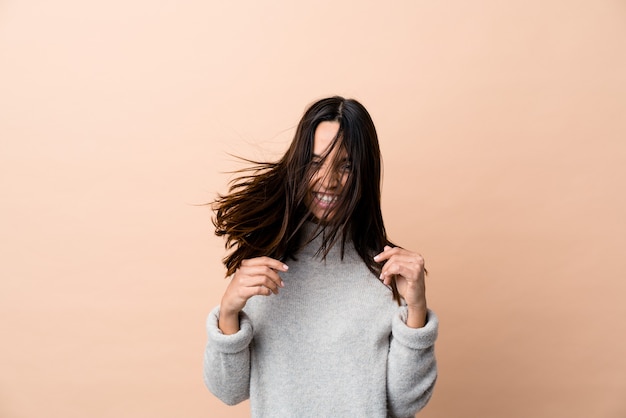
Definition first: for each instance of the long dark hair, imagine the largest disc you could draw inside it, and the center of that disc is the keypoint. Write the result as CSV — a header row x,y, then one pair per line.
x,y
265,208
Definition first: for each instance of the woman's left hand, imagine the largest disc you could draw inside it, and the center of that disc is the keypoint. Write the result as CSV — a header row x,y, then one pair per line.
x,y
408,270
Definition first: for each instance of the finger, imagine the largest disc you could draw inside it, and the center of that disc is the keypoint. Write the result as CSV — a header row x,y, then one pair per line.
x,y
255,276
258,271
408,270
387,279
247,282
403,256
264,265
249,292
387,273
399,257
389,252
385,254
266,261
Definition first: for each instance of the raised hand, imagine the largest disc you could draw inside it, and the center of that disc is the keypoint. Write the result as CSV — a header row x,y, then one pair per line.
x,y
407,269
255,276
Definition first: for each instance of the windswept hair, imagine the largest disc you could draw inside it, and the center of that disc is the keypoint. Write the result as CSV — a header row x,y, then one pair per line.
x,y
265,208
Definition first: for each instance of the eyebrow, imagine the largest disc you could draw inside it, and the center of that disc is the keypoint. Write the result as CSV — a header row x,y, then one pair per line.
x,y
319,157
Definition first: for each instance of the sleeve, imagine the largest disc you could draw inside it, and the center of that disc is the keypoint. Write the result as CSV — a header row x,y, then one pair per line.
x,y
411,365
227,360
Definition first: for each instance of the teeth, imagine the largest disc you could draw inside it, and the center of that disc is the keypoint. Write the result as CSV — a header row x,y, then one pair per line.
x,y
326,198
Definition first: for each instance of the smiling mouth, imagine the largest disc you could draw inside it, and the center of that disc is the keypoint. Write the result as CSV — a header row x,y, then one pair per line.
x,y
325,199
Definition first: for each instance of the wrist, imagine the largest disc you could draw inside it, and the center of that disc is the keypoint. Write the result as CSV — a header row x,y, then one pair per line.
x,y
228,317
228,321
416,315
227,309
228,312
417,306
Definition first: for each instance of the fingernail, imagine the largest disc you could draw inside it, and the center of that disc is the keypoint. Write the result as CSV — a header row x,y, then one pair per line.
x,y
285,266
282,284
376,257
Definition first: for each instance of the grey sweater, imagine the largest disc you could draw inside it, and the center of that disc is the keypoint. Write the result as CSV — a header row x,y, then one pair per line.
x,y
332,343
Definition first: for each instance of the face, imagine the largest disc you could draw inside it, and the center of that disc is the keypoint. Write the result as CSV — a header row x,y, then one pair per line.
x,y
331,173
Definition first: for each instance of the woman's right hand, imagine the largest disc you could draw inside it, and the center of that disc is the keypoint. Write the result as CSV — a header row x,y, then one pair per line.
x,y
255,276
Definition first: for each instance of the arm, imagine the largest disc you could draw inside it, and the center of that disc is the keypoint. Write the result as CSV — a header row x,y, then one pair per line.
x,y
227,353
227,360
411,365
407,269
256,276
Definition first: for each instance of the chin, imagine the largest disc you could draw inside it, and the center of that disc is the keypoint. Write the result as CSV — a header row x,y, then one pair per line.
x,y
323,218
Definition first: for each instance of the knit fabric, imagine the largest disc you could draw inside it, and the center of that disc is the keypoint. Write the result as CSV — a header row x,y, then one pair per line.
x,y
332,343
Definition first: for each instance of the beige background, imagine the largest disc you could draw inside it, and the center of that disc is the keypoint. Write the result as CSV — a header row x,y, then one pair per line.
x,y
503,132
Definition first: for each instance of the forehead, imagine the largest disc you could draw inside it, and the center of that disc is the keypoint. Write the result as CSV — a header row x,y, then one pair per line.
x,y
325,134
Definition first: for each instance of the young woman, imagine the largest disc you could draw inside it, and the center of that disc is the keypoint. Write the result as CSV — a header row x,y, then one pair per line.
x,y
323,315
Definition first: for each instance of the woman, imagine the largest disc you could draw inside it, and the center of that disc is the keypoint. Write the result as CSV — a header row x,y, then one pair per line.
x,y
323,315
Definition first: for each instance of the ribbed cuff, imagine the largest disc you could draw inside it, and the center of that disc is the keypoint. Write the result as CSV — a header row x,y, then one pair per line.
x,y
415,338
233,343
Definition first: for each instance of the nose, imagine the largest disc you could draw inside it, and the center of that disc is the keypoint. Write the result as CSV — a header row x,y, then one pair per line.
x,y
329,177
